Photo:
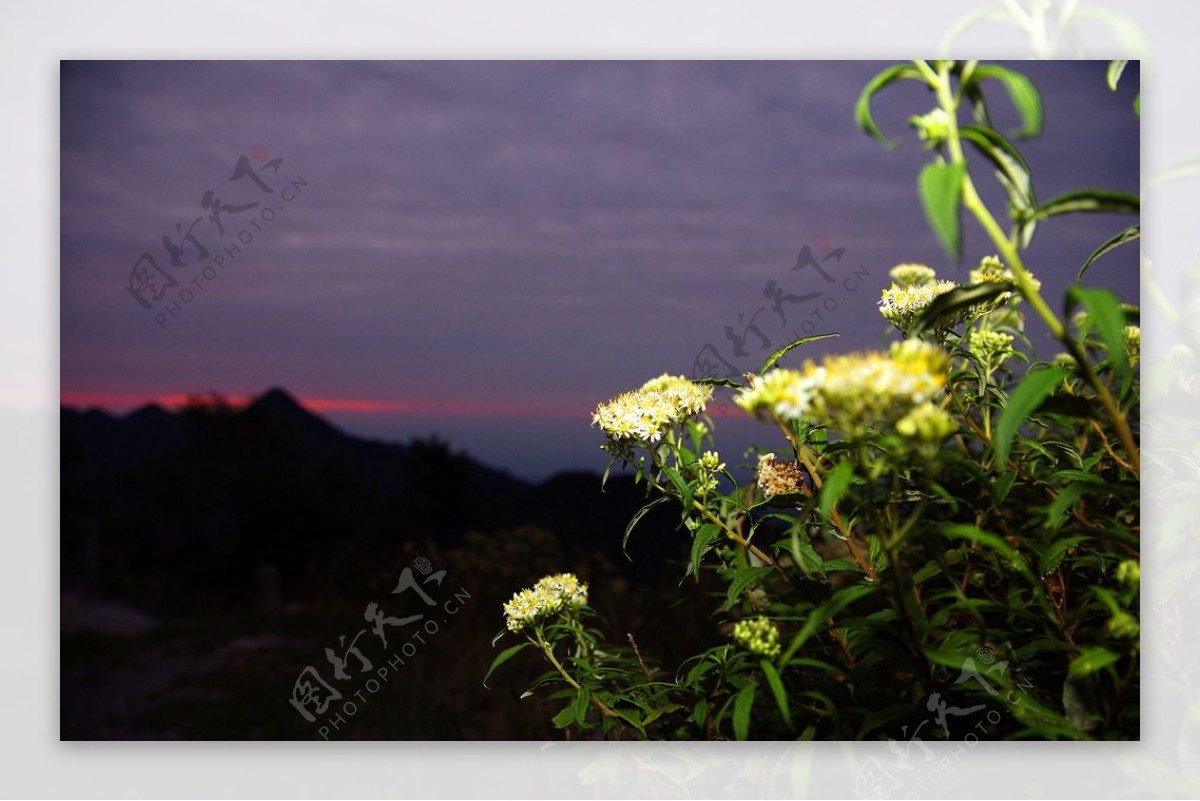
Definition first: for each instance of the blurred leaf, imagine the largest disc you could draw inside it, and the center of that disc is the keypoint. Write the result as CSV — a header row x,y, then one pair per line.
x,y
1021,91
782,500
1115,68
1057,510
1091,660
970,533
837,481
743,580
504,656
862,109
581,706
940,188
776,685
700,712
1078,698
1120,238
1001,485
841,566
1069,405
741,711
924,574
875,553
802,551
821,615
774,357
1032,390
945,495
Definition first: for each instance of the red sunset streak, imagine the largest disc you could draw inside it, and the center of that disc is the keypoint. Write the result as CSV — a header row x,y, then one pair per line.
x,y
115,401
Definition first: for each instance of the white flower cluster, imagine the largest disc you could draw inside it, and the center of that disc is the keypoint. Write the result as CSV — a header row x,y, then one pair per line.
x,y
992,271
867,387
902,304
550,595
645,414
912,274
786,393
853,391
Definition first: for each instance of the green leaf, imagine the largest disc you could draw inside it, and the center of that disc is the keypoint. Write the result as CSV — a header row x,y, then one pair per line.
x,y
1001,485
741,711
1115,68
743,580
1105,313
805,555
1089,200
700,713
504,656
631,718
1054,555
717,382
821,615
837,481
964,531
681,486
774,357
875,553
950,303
940,188
580,706
924,574
776,685
564,718
1021,91
1007,160
1034,387
634,521
1091,660
862,108
701,544
1057,510
842,566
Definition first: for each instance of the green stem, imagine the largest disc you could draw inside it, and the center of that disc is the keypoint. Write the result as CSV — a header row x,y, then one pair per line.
x,y
1021,276
846,535
549,652
904,597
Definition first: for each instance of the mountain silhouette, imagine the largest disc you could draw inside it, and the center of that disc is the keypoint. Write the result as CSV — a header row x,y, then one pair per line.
x,y
181,511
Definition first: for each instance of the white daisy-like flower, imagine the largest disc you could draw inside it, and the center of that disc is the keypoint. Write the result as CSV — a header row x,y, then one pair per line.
x,y
649,412
785,393
550,595
901,304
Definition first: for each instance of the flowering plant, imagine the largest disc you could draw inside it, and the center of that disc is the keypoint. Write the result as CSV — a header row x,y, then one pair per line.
x,y
950,498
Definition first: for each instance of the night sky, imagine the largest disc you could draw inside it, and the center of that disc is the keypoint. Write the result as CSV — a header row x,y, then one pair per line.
x,y
485,250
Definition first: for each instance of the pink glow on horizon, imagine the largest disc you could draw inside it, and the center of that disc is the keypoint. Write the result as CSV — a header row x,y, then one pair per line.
x,y
122,402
